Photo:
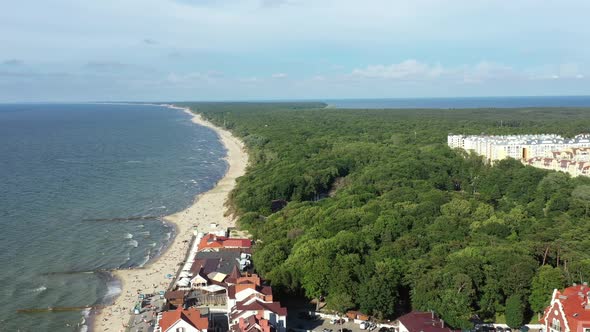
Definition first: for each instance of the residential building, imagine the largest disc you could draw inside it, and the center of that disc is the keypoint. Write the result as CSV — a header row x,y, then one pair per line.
x,y
213,242
217,275
175,298
519,147
571,167
546,151
569,310
249,298
179,320
253,324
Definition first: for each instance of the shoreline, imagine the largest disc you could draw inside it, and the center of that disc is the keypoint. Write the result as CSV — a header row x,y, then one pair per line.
x,y
207,208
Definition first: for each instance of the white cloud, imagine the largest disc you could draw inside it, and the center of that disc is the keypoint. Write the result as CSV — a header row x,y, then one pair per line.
x,y
252,79
482,72
279,75
412,70
191,78
408,70
569,70
486,71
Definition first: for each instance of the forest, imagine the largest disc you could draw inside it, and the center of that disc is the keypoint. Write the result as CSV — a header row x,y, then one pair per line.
x,y
383,217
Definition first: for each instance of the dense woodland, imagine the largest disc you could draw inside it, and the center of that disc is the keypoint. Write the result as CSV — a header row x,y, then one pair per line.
x,y
384,217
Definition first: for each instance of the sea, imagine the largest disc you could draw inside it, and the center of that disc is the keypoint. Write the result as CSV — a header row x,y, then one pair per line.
x,y
463,102
83,188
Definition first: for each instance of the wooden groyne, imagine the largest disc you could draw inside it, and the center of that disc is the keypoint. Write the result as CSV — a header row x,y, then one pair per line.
x,y
130,218
57,309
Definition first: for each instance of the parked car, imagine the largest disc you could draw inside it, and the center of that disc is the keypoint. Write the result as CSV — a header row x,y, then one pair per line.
x,y
499,329
363,325
336,321
326,330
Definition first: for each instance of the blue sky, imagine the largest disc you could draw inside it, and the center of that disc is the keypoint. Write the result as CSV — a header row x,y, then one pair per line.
x,y
80,50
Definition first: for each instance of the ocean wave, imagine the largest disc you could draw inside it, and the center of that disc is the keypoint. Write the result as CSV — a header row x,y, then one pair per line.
x,y
113,289
168,236
133,243
72,161
122,218
38,289
145,260
133,162
145,234
85,314
141,226
128,236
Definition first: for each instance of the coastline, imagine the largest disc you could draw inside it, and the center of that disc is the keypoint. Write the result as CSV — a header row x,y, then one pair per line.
x,y
207,208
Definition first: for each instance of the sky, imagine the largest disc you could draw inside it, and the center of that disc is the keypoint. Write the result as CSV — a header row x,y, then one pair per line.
x,y
174,50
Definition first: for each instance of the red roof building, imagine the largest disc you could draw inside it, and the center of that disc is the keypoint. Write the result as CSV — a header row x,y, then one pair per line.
x,y
249,299
417,321
215,242
253,324
569,310
189,320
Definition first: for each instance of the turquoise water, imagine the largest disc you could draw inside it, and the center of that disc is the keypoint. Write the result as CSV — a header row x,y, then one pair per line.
x,y
82,190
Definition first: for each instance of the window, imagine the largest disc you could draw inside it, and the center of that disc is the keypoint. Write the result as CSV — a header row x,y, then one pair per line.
x,y
556,324
180,329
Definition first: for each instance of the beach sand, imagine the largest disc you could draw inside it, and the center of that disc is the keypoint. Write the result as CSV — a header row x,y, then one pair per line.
x,y
208,208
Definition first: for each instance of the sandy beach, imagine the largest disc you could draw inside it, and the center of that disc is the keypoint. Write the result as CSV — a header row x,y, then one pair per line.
x,y
208,208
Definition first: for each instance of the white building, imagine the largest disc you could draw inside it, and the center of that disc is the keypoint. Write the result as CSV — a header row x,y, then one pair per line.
x,y
520,147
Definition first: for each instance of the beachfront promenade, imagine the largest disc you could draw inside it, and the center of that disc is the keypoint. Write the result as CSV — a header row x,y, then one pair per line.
x,y
215,288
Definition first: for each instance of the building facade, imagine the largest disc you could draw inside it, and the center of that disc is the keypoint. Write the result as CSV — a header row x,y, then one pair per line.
x,y
569,310
519,147
547,151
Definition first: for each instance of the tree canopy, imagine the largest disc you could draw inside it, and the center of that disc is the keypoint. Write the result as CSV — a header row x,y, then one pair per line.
x,y
383,217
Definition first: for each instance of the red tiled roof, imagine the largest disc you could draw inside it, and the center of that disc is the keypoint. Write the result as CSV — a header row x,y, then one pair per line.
x,y
212,241
253,323
192,316
574,300
255,306
240,243
417,321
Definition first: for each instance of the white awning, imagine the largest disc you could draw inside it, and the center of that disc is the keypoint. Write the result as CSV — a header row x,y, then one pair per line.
x,y
217,276
213,288
183,282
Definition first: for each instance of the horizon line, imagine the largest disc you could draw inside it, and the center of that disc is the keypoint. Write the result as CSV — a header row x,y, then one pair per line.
x,y
287,100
